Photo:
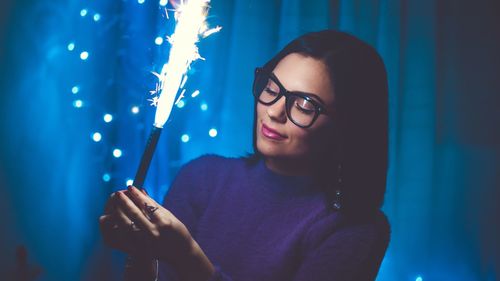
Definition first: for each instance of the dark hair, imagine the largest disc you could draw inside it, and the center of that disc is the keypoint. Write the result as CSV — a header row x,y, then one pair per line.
x,y
354,161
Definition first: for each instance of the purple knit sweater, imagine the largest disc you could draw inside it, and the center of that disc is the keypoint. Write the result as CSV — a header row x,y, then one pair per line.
x,y
254,224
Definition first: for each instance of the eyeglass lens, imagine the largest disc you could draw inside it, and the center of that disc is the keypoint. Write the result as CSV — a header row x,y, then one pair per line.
x,y
299,108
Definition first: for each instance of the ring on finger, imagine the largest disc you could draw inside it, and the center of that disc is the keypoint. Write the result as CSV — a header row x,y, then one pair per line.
x,y
133,226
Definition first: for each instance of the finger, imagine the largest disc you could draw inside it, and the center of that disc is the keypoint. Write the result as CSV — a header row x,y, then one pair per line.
x,y
121,215
133,212
144,202
107,222
110,204
109,228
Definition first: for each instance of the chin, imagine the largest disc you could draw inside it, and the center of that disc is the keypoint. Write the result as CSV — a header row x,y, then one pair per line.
x,y
273,150
269,149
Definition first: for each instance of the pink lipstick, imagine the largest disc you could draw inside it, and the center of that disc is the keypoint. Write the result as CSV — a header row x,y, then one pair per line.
x,y
270,133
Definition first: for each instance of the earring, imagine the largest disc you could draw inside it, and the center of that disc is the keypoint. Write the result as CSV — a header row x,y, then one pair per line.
x,y
338,194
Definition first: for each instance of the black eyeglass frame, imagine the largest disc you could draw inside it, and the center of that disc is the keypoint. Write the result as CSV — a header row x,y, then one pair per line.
x,y
318,108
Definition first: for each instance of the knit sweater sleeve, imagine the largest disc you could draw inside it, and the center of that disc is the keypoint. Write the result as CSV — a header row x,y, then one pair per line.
x,y
350,252
188,194
187,199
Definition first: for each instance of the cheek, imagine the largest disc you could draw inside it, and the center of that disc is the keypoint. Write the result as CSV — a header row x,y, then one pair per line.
x,y
261,110
307,141
300,141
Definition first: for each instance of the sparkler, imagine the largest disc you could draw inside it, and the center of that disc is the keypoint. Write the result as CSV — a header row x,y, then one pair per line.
x,y
190,27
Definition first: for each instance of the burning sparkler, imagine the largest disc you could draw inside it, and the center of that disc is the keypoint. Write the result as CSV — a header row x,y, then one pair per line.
x,y
190,26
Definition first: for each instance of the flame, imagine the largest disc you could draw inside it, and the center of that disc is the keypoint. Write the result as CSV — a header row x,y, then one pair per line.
x,y
190,27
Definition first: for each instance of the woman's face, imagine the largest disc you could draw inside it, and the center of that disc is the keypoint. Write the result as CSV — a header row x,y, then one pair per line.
x,y
277,137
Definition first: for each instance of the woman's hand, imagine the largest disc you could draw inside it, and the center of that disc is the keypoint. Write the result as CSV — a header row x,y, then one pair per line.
x,y
134,223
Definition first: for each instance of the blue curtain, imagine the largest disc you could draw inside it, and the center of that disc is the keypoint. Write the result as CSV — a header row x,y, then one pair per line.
x,y
442,59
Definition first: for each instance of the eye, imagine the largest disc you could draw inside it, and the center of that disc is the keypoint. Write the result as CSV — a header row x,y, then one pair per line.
x,y
270,91
271,88
304,106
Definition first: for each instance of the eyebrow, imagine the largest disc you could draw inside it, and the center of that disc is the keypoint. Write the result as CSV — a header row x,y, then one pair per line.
x,y
298,92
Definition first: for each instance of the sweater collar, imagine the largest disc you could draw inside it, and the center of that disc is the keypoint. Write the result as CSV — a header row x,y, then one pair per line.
x,y
284,183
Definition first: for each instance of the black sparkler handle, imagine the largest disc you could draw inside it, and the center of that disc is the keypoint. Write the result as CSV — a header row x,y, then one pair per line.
x,y
149,151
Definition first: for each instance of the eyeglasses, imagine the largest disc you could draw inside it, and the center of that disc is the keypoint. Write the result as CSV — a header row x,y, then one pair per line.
x,y
301,109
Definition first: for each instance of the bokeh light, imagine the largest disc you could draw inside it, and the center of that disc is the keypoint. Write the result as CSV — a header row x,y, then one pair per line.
x,y
107,117
84,55
117,153
97,136
185,138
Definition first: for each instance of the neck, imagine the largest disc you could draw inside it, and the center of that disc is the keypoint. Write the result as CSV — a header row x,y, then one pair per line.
x,y
289,167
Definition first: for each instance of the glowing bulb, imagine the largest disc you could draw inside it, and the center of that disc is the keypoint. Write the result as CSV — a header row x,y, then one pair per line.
x,y
204,106
71,46
158,40
107,117
212,133
129,182
106,177
163,2
97,17
185,138
140,1
83,12
181,104
117,153
84,55
75,90
135,109
78,103
195,94
97,136
419,278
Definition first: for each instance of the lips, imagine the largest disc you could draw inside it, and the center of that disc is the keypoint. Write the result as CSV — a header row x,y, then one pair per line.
x,y
270,133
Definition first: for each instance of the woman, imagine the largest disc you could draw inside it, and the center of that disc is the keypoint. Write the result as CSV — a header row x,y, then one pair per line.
x,y
304,206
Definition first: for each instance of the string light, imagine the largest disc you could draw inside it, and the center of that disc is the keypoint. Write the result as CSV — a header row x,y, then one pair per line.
x,y
97,17
78,103
75,90
204,106
141,1
158,40
97,136
212,132
134,109
117,153
107,117
71,46
106,177
84,55
163,3
185,138
83,12
419,278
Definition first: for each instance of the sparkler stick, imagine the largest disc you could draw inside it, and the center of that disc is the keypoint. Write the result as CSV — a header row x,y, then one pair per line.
x,y
191,26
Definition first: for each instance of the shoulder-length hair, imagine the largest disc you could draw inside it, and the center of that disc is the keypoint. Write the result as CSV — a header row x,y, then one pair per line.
x,y
352,167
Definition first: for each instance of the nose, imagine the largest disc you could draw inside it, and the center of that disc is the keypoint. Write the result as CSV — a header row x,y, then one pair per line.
x,y
277,111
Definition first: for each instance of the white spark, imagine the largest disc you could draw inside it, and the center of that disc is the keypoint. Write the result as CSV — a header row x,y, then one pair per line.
x,y
190,28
